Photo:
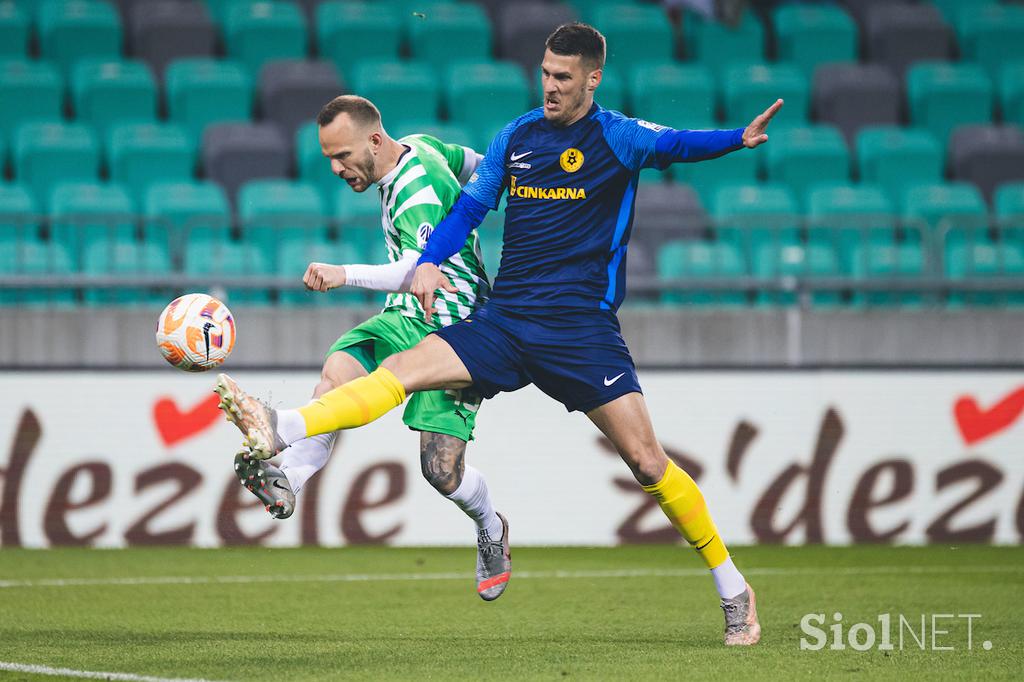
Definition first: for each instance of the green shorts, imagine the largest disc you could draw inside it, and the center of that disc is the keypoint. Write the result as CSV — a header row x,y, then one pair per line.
x,y
451,412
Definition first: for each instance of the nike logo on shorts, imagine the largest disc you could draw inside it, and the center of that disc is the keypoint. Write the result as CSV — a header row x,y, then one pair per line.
x,y
609,382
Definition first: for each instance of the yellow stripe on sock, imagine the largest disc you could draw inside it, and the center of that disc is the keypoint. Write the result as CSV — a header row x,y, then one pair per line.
x,y
354,404
684,505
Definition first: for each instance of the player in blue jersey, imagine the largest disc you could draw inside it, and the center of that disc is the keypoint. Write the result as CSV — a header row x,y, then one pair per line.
x,y
570,169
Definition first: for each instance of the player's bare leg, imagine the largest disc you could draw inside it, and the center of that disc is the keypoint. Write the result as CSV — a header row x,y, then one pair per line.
x,y
442,460
626,422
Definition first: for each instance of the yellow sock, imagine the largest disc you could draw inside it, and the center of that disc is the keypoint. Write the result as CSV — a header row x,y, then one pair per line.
x,y
684,505
356,403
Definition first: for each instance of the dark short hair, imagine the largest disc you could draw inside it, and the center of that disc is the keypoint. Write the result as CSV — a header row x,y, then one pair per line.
x,y
361,110
578,39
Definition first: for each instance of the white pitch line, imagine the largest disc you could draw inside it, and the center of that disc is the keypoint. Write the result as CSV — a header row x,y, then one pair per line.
x,y
521,575
88,674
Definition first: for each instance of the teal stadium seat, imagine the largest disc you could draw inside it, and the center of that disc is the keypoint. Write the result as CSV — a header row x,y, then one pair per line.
x,y
810,35
180,213
260,31
706,177
139,154
850,217
750,216
107,92
347,29
701,260
313,167
358,216
636,34
295,257
14,30
19,217
87,213
451,133
944,95
403,91
804,157
490,233
903,261
275,212
126,259
37,87
978,261
1011,93
448,33
991,35
486,93
894,157
673,94
810,261
954,212
70,30
202,91
219,261
35,259
610,94
49,153
748,90
951,9
719,47
1008,203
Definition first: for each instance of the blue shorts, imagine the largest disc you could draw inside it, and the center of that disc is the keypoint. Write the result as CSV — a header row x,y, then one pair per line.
x,y
577,357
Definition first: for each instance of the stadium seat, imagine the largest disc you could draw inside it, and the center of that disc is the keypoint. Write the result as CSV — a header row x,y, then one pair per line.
x,y
737,168
665,212
14,31
943,96
313,166
987,156
48,153
19,219
701,260
161,31
1008,201
451,133
991,35
978,261
1011,93
490,233
486,93
853,96
903,261
276,212
898,34
811,35
403,91
126,259
672,94
749,216
610,94
87,213
295,257
292,91
718,46
804,157
774,261
951,9
140,154
949,212
37,87
234,154
201,91
109,92
893,157
347,29
432,38
261,31
859,9
222,260
847,217
359,217
636,34
179,213
72,29
749,90
34,258
522,28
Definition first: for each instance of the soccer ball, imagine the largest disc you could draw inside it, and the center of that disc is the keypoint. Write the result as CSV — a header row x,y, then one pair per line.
x,y
195,332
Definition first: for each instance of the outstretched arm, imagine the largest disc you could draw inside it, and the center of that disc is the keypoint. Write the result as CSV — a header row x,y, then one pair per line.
x,y
390,277
688,146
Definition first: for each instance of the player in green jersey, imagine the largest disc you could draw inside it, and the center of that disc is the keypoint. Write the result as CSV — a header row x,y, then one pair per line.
x,y
418,179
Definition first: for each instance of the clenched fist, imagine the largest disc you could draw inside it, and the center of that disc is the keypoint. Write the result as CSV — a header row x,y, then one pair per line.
x,y
324,277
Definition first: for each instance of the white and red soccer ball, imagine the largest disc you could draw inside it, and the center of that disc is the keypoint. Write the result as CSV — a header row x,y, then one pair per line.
x,y
195,332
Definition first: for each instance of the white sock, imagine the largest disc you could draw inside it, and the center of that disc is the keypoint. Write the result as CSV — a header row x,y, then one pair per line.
x,y
728,580
291,426
302,459
474,499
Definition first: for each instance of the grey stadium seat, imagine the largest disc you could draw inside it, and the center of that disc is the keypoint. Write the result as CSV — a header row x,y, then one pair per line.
x,y
987,156
898,35
293,91
522,28
851,96
665,212
161,31
859,9
234,153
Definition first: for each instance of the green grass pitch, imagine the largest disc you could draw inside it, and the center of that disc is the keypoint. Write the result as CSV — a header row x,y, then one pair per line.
x,y
628,613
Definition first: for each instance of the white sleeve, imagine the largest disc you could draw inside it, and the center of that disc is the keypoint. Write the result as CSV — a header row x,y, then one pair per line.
x,y
469,163
392,277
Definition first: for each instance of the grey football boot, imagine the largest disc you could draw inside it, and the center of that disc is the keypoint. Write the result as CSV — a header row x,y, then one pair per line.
x,y
266,482
493,563
741,626
256,420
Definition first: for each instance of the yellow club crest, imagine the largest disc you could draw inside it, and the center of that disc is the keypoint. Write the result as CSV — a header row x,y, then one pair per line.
x,y
571,160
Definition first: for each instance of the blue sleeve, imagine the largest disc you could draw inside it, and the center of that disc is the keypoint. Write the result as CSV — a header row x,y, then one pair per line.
x,y
488,181
695,145
642,144
451,233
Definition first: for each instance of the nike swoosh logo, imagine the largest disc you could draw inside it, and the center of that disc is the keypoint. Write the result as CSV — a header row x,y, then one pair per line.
x,y
277,484
516,157
609,382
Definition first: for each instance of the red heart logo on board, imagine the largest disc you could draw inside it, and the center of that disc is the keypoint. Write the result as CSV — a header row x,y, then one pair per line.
x,y
977,424
174,426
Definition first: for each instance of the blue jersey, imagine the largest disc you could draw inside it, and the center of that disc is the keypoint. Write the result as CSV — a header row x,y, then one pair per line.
x,y
571,192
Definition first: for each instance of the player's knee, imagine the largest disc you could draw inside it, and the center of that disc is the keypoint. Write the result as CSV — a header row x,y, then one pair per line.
x,y
647,461
441,479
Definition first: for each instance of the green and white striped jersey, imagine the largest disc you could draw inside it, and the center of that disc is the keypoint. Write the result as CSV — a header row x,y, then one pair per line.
x,y
415,196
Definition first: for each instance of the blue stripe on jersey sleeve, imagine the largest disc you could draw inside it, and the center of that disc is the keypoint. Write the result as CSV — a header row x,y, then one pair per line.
x,y
631,140
488,182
